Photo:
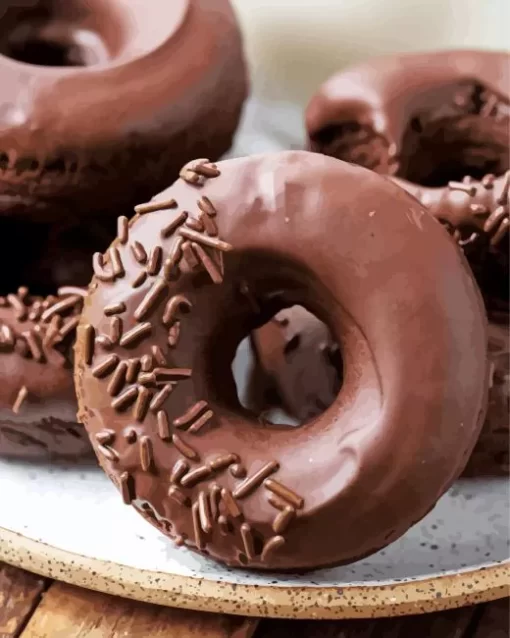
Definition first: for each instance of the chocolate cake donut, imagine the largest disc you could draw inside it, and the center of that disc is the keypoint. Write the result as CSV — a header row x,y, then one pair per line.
x,y
102,101
298,369
37,398
438,121
212,258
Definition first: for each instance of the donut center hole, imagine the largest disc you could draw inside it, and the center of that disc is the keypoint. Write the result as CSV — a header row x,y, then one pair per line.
x,y
288,371
53,33
470,141
462,131
72,49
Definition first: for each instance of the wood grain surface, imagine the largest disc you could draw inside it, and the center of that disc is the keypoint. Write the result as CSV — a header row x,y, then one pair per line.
x,y
20,593
34,607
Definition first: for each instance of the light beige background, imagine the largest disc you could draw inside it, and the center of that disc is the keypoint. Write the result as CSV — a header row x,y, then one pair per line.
x,y
293,45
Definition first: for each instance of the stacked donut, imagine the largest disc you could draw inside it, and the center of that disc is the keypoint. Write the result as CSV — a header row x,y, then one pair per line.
x,y
326,263
101,104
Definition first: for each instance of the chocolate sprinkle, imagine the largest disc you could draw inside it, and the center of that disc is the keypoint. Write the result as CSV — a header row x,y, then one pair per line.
x,y
139,252
230,504
106,367
204,512
135,334
163,425
271,546
146,453
253,482
153,206
125,399
195,476
247,537
122,229
115,309
190,414
284,492
118,379
283,519
89,336
199,238
127,488
142,404
161,397
20,398
185,449
151,300
174,225
178,471
155,260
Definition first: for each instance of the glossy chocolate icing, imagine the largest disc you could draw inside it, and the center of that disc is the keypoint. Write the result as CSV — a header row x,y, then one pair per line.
x,y
131,90
226,247
37,398
304,377
430,119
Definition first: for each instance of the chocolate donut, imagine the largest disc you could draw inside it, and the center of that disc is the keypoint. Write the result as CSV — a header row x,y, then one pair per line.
x,y
431,119
103,101
37,398
298,365
212,258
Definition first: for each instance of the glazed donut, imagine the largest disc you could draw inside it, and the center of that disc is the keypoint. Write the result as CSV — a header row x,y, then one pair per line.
x,y
298,368
159,83
37,398
431,119
212,258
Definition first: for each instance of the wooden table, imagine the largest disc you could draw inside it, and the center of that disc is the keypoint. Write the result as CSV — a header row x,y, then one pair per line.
x,y
36,607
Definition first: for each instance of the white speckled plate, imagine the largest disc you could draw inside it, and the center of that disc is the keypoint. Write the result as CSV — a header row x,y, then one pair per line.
x,y
69,523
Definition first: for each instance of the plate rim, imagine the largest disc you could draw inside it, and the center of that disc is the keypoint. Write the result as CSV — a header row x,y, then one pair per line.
x,y
437,593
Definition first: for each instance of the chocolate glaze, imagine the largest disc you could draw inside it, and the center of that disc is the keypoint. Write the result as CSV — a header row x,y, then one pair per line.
x,y
304,379
131,89
37,398
273,231
430,119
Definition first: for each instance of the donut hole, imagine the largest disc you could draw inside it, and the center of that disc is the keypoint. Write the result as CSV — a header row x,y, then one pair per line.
x,y
289,370
54,33
446,152
471,138
352,142
461,130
